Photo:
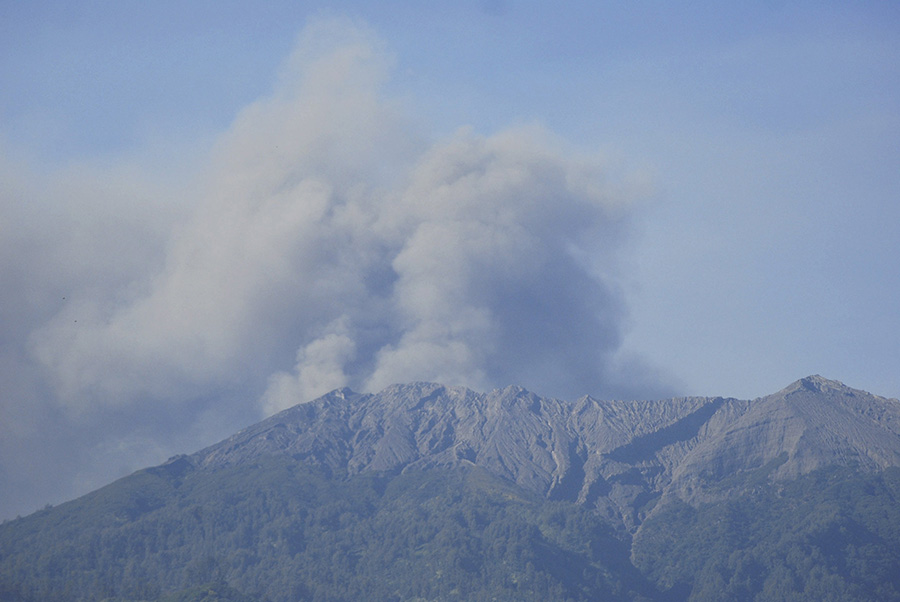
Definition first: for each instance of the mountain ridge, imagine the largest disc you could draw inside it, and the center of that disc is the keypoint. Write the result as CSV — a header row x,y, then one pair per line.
x,y
616,456
428,492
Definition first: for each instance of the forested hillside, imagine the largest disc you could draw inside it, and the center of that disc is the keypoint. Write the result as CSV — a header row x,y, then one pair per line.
x,y
396,498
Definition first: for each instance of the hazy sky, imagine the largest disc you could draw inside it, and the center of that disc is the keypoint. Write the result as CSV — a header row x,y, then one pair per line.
x,y
210,211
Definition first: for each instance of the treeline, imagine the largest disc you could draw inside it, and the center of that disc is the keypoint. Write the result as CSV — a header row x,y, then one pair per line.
x,y
279,531
831,535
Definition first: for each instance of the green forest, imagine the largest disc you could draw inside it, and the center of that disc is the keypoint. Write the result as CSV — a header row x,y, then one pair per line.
x,y
279,531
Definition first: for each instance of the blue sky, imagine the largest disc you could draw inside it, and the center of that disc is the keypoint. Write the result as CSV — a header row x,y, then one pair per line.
x,y
212,210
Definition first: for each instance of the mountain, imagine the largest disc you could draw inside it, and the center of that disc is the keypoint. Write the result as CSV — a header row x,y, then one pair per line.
x,y
610,454
430,492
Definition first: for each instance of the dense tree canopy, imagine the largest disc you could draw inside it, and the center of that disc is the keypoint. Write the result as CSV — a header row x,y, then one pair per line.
x,y
279,531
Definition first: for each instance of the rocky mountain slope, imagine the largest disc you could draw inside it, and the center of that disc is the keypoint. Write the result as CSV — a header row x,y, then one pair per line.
x,y
426,492
617,456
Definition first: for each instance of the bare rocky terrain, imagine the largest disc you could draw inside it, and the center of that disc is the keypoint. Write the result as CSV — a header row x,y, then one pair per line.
x,y
620,457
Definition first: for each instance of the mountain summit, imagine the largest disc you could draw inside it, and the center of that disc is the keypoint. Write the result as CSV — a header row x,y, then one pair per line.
x,y
428,492
617,455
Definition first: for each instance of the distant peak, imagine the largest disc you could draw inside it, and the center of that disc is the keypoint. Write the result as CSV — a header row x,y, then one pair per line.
x,y
817,384
344,392
513,390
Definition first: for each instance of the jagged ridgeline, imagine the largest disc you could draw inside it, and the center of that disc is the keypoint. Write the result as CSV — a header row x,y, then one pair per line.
x,y
425,492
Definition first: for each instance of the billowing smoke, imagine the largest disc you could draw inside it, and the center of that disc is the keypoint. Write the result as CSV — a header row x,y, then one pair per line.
x,y
464,274
328,243
326,230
